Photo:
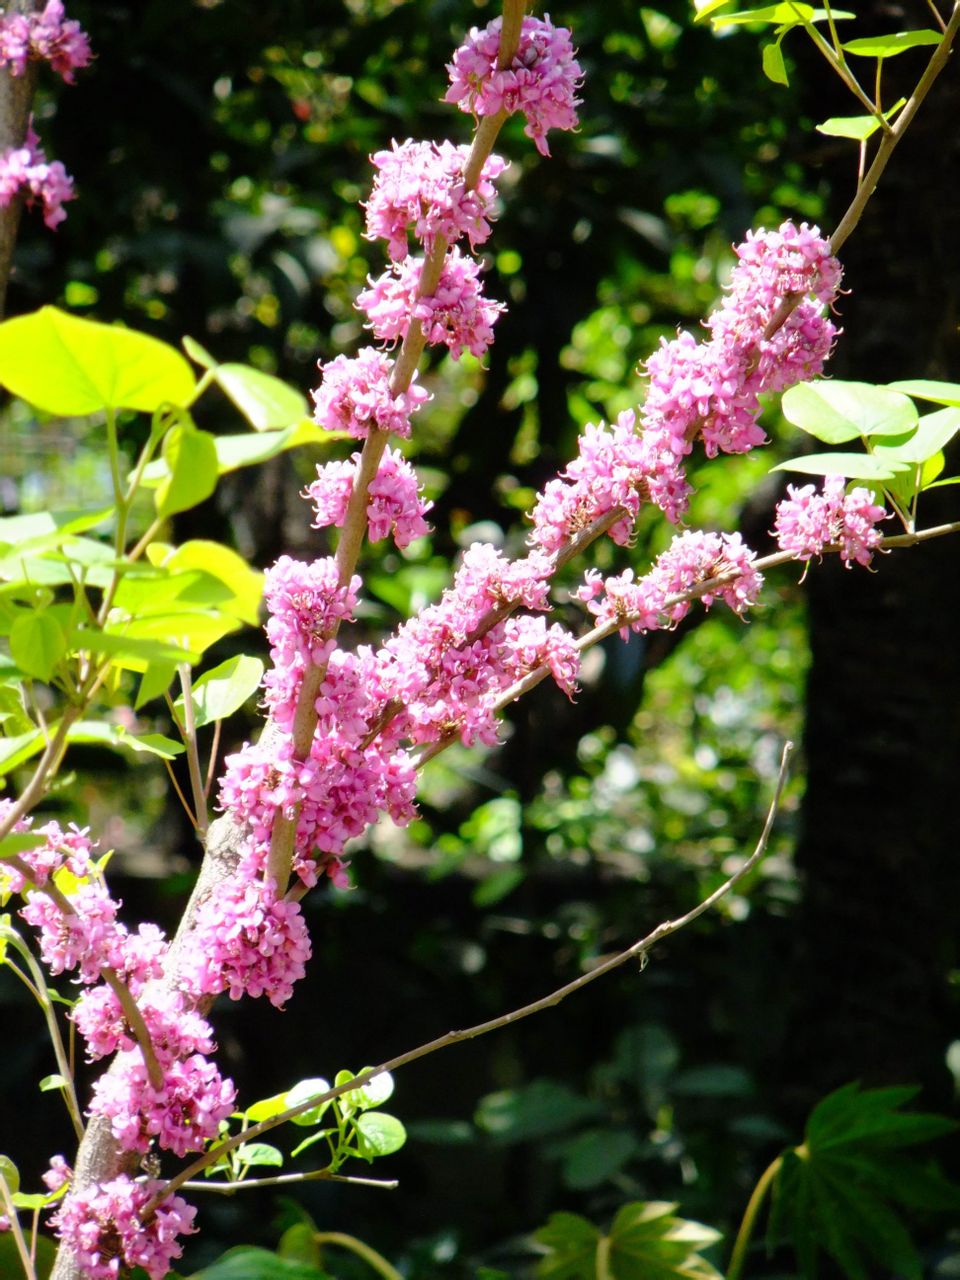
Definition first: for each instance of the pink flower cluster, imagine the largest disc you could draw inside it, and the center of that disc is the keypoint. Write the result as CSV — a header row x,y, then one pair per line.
x,y
47,36
394,503
355,396
650,603
103,1227
419,187
455,314
541,81
27,171
808,521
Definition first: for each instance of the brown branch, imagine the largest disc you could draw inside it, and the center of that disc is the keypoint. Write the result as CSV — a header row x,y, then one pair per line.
x,y
16,98
638,951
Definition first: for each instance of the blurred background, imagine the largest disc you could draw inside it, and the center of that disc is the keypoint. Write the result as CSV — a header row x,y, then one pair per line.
x,y
220,152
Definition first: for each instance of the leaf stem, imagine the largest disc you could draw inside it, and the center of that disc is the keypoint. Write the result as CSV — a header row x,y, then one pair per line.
x,y
747,1226
26,1261
193,755
370,1256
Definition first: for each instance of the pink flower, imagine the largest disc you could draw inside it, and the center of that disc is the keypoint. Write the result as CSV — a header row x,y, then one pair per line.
x,y
25,170
88,938
455,314
181,1115
808,521
355,396
102,1227
419,186
45,36
248,942
394,502
541,81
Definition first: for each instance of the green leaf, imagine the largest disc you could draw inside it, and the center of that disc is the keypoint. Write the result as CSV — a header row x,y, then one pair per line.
x,y
778,15
774,67
720,1080
835,412
857,127
596,1155
152,744
571,1242
372,1094
303,1090
50,1084
536,1110
129,652
934,432
10,1174
837,1193
17,842
72,367
379,1134
244,1263
265,401
220,562
266,1108
16,750
259,1153
853,466
298,1243
37,643
889,46
224,689
191,458
929,389
645,1242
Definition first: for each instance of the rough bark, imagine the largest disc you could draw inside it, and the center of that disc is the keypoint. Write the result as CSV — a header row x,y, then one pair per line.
x,y
16,97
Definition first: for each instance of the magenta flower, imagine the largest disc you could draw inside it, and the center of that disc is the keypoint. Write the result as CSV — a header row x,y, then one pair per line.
x,y
355,396
25,170
808,521
541,81
102,1227
47,36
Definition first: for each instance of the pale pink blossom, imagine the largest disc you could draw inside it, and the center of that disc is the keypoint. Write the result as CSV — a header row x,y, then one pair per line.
x,y
808,521
102,1226
355,396
26,171
45,36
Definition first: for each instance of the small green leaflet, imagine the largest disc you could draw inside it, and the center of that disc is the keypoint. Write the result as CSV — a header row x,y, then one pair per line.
x,y
889,46
858,128
224,689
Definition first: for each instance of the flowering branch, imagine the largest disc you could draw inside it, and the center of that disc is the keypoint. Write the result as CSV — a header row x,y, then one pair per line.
x,y
638,951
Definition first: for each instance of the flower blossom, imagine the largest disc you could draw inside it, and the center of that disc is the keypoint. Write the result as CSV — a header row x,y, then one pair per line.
x,y
649,603
418,186
455,314
394,504
355,396
808,521
541,80
248,942
102,1227
25,170
46,36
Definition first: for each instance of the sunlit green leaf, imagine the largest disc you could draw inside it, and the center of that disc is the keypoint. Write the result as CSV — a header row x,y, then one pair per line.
x,y
302,1092
934,432
220,562
223,690
259,1153
786,15
853,466
835,411
65,365
929,389
37,643
191,459
774,67
858,128
379,1134
265,401
645,1242
888,46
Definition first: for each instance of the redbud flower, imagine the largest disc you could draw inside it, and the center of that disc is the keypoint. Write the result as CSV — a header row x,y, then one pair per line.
x,y
419,186
541,81
394,504
46,36
808,521
355,396
456,314
102,1227
26,170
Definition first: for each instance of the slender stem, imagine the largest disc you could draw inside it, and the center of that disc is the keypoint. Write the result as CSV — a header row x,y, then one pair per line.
x,y
745,1234
194,821
602,1259
841,67
370,1256
193,754
26,1261
288,1179
638,951
212,763
134,1020
893,134
47,764
40,993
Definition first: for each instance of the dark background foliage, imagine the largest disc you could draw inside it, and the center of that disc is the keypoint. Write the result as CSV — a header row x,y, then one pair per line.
x,y
220,150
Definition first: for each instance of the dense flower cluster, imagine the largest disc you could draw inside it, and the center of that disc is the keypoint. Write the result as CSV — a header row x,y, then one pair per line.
x,y
355,396
103,1227
808,521
418,187
541,81
651,603
455,314
47,36
394,503
25,171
